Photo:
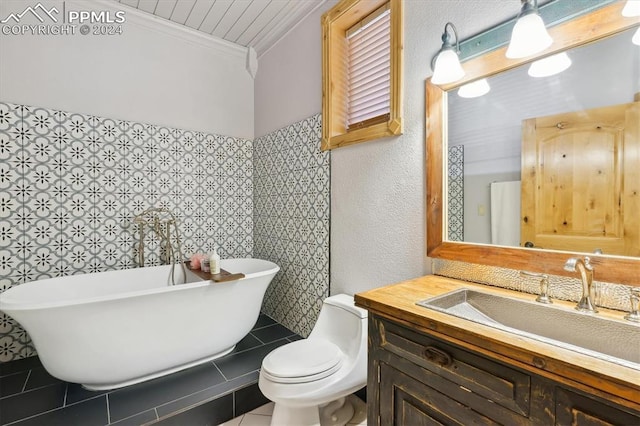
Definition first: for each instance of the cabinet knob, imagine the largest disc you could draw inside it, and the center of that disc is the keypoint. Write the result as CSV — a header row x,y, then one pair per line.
x,y
438,356
539,362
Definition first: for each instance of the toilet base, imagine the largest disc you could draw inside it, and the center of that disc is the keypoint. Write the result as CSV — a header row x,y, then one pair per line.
x,y
334,413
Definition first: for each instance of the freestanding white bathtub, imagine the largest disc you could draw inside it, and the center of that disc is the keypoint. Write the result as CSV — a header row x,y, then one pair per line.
x,y
112,329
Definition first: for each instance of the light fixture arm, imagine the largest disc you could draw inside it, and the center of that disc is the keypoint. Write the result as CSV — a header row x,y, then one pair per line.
x,y
446,38
528,7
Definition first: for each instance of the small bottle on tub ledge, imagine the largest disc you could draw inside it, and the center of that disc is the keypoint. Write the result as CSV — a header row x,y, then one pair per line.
x,y
214,262
205,265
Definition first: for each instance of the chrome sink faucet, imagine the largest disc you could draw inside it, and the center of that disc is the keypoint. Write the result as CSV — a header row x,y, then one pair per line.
x,y
584,267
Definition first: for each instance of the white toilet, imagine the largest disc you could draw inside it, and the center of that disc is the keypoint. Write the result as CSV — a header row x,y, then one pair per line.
x,y
309,379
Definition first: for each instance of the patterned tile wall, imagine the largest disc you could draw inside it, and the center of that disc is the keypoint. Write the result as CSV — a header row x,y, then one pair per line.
x,y
456,193
291,221
70,184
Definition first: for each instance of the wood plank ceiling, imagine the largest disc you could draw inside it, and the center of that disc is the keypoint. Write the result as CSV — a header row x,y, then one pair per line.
x,y
250,23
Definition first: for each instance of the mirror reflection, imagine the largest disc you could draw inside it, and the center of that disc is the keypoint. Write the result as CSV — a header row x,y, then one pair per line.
x,y
551,161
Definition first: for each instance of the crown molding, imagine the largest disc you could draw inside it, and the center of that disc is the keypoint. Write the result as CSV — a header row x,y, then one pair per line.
x,y
167,27
272,37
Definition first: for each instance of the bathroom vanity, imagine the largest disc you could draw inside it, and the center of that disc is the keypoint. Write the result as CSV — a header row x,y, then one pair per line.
x,y
430,367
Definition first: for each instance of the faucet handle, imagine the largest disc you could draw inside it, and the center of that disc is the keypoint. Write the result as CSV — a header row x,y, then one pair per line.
x,y
634,298
543,297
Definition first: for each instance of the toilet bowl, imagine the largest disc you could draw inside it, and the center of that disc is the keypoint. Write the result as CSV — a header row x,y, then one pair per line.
x,y
309,379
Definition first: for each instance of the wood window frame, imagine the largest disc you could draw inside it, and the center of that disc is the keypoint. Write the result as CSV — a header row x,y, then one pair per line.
x,y
335,24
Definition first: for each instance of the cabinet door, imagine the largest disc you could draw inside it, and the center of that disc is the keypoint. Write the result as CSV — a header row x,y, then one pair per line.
x,y
491,381
575,409
406,401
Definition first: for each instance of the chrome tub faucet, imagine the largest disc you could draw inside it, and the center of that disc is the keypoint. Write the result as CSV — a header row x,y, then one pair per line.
x,y
161,226
584,267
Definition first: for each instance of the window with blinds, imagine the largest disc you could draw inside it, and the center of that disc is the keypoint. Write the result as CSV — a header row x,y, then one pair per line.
x,y
361,72
369,62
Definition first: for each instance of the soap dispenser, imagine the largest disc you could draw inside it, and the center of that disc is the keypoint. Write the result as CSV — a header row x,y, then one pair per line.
x,y
214,262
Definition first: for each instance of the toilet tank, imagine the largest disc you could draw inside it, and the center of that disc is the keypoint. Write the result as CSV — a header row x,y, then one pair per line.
x,y
342,323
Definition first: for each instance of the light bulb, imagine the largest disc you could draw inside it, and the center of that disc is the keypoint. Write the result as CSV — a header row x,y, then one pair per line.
x,y
447,68
475,89
631,8
529,36
550,65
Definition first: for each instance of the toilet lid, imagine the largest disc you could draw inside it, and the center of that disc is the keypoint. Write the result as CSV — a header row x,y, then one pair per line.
x,y
302,361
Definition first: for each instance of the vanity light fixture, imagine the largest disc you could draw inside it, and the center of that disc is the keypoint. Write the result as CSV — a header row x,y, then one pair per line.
x,y
475,89
550,65
446,64
631,8
529,35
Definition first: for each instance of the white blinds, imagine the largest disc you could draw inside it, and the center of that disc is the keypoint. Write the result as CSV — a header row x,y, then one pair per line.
x,y
369,54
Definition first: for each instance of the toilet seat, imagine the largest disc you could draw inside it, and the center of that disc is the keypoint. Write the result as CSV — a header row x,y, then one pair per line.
x,y
302,361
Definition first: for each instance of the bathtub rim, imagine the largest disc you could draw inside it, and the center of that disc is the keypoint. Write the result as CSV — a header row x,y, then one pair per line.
x,y
9,306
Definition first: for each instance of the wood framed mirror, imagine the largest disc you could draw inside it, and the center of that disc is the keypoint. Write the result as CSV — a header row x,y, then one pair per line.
x,y
583,30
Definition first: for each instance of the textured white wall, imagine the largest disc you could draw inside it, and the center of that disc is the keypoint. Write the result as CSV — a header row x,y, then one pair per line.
x,y
148,74
288,84
377,188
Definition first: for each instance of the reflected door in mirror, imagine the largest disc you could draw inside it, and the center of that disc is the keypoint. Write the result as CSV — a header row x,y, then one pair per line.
x,y
581,180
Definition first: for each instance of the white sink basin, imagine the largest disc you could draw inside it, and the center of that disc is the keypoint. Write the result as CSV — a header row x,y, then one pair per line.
x,y
614,341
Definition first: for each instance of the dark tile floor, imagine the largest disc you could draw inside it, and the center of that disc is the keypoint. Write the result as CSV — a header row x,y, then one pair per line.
x,y
207,394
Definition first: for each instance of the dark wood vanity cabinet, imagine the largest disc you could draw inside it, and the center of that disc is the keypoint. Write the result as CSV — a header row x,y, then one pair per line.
x,y
418,379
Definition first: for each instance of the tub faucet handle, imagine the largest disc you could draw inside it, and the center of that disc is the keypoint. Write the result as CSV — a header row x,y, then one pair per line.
x,y
634,298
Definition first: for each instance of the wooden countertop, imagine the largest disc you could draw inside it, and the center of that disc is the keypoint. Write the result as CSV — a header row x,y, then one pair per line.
x,y
398,302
